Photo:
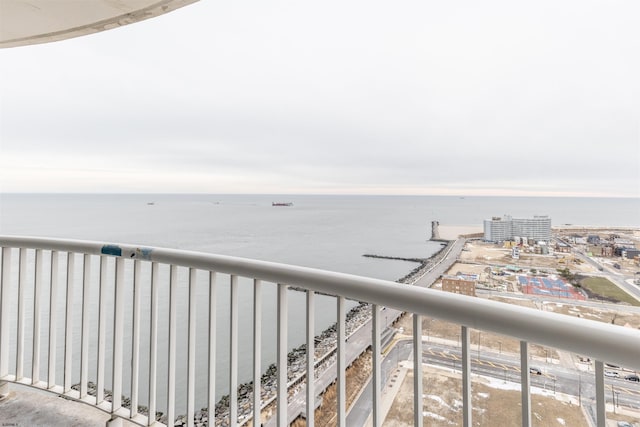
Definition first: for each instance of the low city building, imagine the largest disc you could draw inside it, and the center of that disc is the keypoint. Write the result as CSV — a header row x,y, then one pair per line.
x,y
593,239
459,285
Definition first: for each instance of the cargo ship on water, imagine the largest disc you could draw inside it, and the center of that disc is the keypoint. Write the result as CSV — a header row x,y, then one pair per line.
x,y
281,204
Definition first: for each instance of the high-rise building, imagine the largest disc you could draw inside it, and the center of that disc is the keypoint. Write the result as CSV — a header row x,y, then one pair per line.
x,y
499,229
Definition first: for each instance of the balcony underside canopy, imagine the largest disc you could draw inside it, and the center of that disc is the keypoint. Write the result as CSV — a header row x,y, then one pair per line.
x,y
26,22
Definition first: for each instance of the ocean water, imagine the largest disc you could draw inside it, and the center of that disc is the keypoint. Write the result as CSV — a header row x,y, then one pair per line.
x,y
317,231
328,232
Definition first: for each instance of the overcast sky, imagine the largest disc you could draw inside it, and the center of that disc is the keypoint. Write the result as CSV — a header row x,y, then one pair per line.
x,y
338,97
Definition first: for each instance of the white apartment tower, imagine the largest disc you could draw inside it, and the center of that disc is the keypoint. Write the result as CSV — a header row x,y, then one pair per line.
x,y
499,229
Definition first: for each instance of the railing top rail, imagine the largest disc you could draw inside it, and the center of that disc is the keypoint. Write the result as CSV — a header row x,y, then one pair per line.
x,y
599,340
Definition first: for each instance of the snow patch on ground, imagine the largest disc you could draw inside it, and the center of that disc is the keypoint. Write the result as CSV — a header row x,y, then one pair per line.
x,y
561,421
438,399
501,385
434,416
484,395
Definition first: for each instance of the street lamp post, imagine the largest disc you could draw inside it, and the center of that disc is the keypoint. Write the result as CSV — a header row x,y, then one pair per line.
x,y
613,397
579,389
500,345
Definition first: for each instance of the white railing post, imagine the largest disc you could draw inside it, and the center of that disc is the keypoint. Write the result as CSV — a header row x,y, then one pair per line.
x,y
281,365
135,338
233,354
212,348
5,286
376,351
601,404
257,353
153,343
417,370
171,373
53,320
37,317
118,335
341,383
311,374
467,402
191,354
84,344
102,330
525,385
22,279
68,322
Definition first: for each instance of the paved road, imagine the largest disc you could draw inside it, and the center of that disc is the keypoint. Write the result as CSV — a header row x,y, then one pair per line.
x,y
357,343
360,340
363,406
439,269
614,276
506,367
557,378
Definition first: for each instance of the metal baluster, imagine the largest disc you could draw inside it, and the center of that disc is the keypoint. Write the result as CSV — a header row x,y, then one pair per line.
x,y
342,366
68,336
21,290
376,364
37,318
282,356
153,343
102,330
601,410
118,335
311,392
525,384
84,352
171,392
5,285
417,370
233,356
135,338
212,348
467,403
53,319
257,350
191,356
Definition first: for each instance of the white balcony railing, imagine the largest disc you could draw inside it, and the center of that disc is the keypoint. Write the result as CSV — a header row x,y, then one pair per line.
x,y
101,310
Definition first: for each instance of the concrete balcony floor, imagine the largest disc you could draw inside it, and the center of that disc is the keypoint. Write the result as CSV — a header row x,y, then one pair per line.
x,y
24,406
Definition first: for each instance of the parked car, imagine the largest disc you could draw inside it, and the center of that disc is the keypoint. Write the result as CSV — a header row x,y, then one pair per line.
x,y
624,424
632,378
612,374
535,371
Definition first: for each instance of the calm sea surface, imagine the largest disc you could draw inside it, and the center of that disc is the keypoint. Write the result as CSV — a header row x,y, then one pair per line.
x,y
328,232
318,231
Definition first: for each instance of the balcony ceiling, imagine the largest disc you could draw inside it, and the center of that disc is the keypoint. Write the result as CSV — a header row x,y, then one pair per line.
x,y
26,22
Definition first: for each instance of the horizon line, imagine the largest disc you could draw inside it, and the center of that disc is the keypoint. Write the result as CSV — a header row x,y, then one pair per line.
x,y
591,196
